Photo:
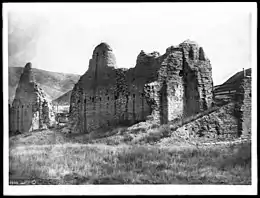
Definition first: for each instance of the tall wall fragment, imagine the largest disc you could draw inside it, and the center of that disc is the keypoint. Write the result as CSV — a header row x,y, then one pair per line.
x,y
243,107
30,108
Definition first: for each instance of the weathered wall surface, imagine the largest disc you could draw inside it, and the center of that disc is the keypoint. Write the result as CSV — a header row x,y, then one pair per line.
x,y
30,109
184,83
221,123
243,107
105,95
175,84
198,80
230,120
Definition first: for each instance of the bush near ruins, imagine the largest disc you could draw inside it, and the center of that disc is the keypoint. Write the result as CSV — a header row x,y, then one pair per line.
x,y
156,134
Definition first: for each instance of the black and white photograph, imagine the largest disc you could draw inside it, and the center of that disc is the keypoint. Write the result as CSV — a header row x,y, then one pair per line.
x,y
130,98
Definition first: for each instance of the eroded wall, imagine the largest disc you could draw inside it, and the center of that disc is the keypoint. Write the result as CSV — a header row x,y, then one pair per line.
x,y
221,123
243,107
163,87
30,108
184,83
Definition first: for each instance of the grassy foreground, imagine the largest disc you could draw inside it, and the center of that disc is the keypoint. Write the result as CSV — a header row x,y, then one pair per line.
x,y
50,161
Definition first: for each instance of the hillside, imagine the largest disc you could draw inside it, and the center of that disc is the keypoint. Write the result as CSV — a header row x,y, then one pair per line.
x,y
227,90
63,99
53,83
233,82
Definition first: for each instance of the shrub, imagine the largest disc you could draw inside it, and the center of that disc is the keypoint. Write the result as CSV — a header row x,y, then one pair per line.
x,y
127,138
112,142
156,134
241,157
165,131
153,137
138,130
154,126
121,131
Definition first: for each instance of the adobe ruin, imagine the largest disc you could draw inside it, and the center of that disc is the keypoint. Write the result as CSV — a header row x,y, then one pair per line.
x,y
161,88
30,110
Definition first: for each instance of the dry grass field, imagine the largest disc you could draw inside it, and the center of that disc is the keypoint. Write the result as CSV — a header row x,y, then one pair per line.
x,y
51,157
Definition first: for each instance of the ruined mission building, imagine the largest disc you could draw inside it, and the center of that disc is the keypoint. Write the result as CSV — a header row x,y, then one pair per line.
x,y
176,84
162,88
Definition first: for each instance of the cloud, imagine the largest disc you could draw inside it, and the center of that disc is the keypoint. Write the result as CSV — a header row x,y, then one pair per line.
x,y
24,31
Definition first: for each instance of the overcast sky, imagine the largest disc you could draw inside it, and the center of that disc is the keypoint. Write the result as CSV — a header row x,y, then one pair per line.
x,y
62,37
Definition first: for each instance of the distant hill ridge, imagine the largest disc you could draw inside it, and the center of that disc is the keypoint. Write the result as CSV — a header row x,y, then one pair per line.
x,y
63,99
233,82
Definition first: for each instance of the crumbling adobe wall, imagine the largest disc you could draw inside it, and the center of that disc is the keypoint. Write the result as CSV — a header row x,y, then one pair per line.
x,y
228,121
163,87
184,86
198,80
221,123
243,107
106,95
167,89
30,108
